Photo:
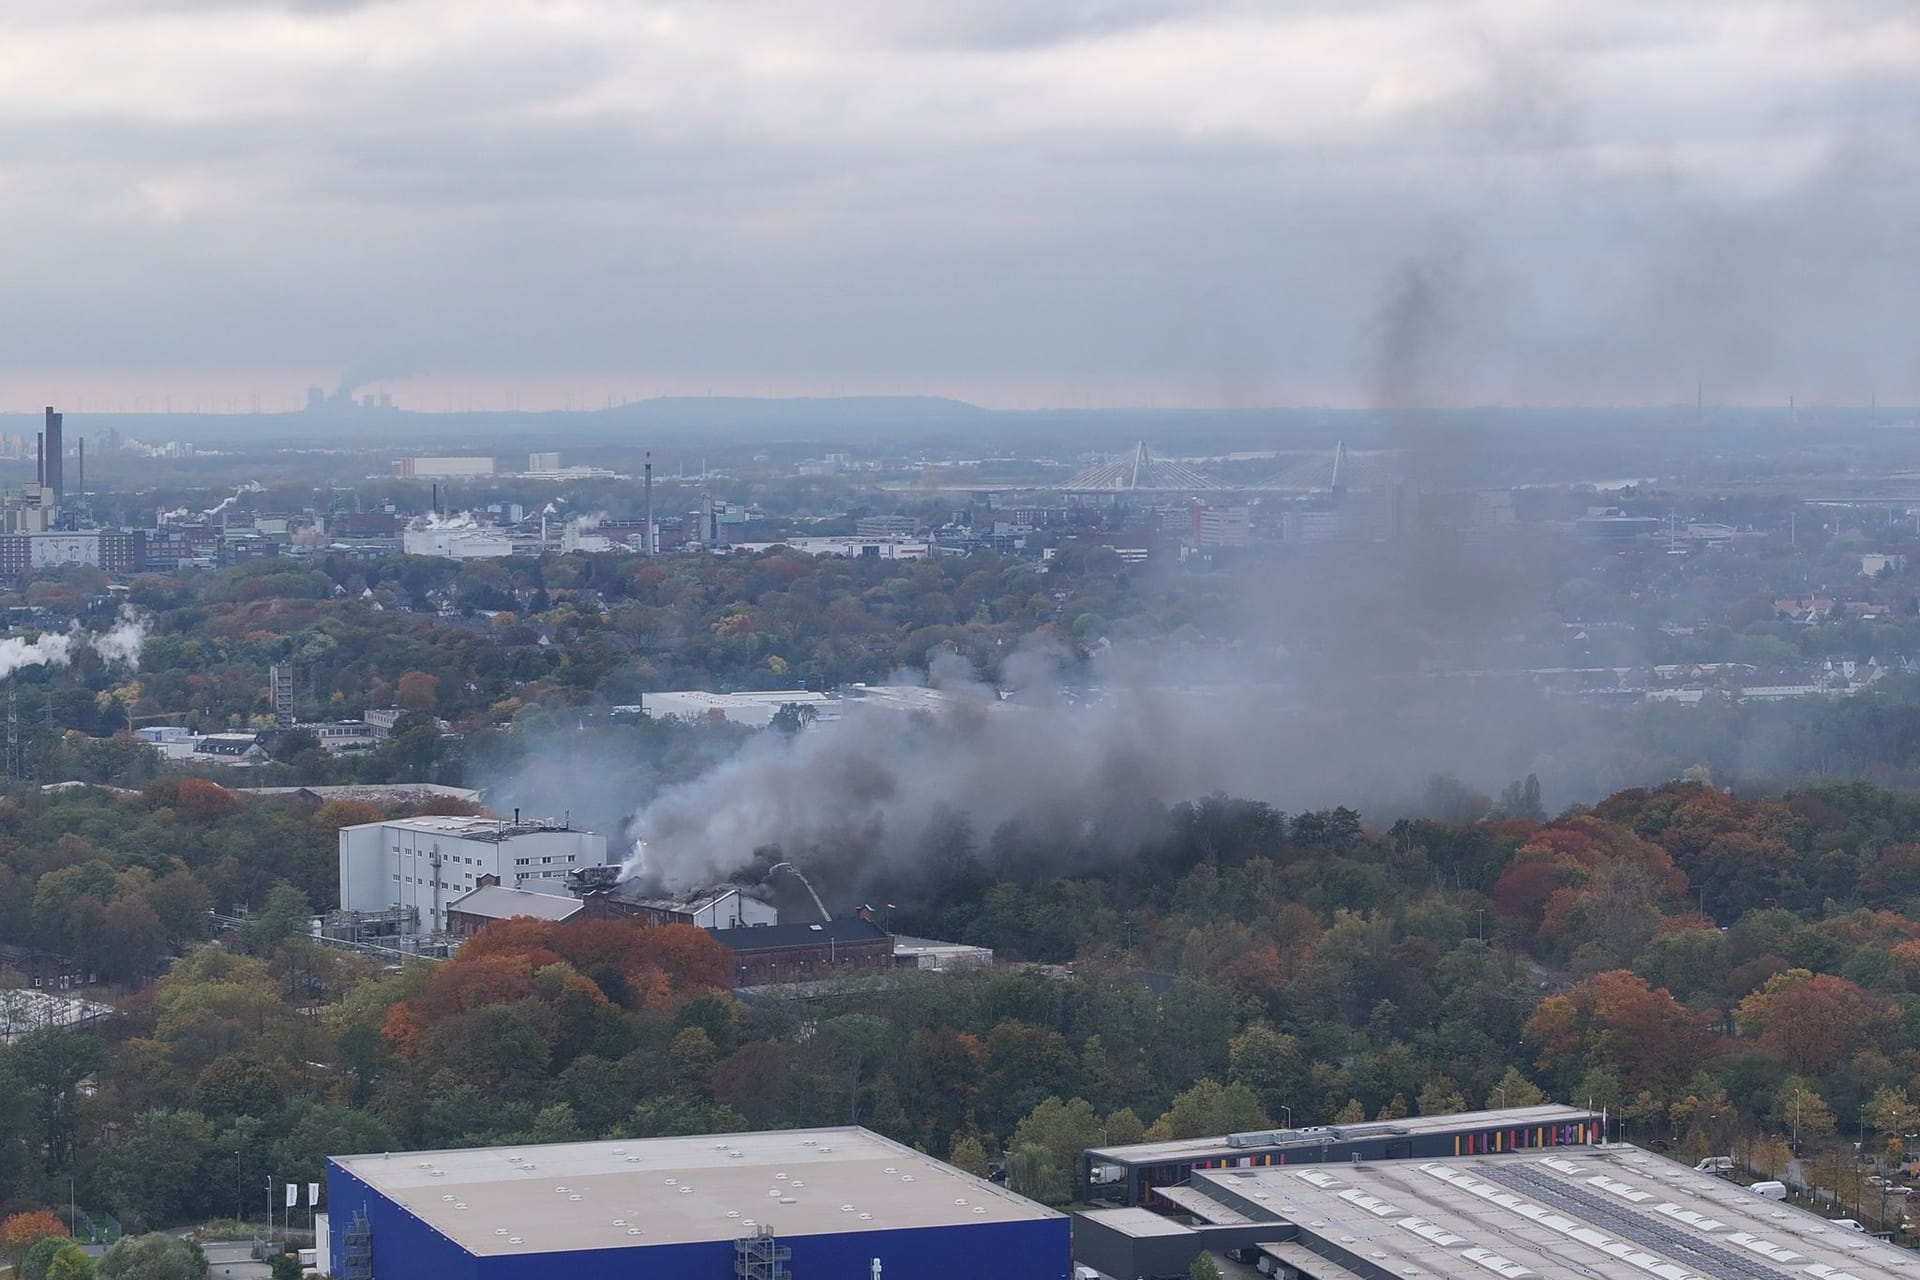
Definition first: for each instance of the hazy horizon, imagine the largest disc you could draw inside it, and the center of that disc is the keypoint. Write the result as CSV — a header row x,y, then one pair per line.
x,y
1121,203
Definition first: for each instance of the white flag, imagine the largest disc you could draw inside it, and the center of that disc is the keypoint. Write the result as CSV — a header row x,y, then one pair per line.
x,y
293,1194
313,1195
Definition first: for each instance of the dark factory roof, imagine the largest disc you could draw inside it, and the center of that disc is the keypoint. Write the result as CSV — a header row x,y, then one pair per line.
x,y
769,937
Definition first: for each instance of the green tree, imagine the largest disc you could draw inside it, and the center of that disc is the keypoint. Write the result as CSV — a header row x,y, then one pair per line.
x,y
34,1263
1124,1128
690,1062
284,915
1204,1268
1521,799
70,1262
1031,1173
1804,1112
1210,1109
285,1267
154,1257
968,1155
1515,1090
1440,1096
1269,1063
237,1085
1063,1130
160,1171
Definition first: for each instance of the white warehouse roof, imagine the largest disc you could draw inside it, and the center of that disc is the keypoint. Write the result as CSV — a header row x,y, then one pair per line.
x,y
598,1195
1604,1213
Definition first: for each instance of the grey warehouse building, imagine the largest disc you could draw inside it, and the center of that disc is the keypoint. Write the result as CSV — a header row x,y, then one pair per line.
x,y
1586,1213
1137,1175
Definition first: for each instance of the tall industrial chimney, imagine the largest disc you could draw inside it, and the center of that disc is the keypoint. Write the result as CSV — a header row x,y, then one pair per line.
x,y
647,537
55,474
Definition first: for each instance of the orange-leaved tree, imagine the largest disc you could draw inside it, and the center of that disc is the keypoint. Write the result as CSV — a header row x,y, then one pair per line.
x,y
22,1231
1815,1020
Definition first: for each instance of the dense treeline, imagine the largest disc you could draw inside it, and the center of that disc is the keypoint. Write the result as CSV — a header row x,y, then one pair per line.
x,y
1718,971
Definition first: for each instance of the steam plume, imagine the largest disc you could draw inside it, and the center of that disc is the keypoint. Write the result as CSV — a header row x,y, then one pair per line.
x,y
127,637
46,649
52,649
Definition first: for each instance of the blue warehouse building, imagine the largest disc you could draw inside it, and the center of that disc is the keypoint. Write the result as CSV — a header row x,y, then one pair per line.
x,y
804,1204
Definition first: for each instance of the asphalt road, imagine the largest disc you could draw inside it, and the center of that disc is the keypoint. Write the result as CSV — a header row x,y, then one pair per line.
x,y
232,1262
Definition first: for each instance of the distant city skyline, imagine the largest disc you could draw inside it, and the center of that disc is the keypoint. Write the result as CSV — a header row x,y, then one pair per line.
x,y
505,392
1192,203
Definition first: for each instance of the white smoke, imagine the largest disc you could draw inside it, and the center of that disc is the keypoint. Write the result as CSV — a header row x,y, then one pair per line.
x,y
124,642
250,486
453,520
55,649
48,649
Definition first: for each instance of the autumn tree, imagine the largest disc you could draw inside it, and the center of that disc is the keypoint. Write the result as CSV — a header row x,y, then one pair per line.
x,y
22,1231
1616,1020
206,802
1814,1020
418,691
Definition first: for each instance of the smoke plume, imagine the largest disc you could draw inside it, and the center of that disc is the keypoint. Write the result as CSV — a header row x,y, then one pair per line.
x,y
1059,777
125,640
53,649
44,650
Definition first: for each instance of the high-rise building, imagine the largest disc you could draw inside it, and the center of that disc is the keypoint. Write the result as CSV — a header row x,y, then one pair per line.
x,y
56,456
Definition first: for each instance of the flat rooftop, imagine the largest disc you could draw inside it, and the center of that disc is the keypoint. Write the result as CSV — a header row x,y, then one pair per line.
x,y
1612,1213
1308,1139
492,830
503,903
605,1195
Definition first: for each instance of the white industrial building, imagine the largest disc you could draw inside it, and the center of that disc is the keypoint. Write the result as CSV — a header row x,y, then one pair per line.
x,y
753,708
455,541
424,864
443,468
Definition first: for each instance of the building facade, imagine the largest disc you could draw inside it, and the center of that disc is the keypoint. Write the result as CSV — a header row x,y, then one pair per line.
x,y
470,913
426,863
798,952
114,550
800,1203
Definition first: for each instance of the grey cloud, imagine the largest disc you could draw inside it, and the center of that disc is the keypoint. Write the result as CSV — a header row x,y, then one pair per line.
x,y
1002,189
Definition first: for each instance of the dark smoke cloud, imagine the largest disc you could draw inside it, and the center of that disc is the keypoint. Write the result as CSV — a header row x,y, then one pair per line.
x,y
1058,781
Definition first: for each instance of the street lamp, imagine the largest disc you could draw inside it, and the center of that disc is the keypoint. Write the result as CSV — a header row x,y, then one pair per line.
x,y
1289,1110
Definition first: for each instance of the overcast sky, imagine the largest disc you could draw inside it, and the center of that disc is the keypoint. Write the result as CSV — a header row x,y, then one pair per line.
x,y
1016,201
